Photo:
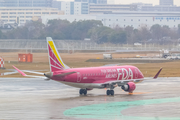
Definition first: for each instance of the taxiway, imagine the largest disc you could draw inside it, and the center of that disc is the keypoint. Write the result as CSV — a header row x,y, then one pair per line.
x,y
27,98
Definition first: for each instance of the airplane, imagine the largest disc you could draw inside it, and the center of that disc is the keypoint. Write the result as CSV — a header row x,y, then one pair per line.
x,y
89,78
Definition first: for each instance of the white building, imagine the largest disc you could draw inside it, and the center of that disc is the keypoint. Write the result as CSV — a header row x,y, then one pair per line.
x,y
108,8
135,19
166,2
72,8
21,15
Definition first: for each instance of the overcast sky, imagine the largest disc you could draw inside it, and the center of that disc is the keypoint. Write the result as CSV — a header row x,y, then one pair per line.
x,y
154,2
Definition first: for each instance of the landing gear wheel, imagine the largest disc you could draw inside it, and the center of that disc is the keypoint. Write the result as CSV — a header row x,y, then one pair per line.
x,y
83,91
112,92
108,92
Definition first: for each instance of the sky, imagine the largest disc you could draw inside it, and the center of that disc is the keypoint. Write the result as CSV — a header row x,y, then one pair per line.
x,y
154,2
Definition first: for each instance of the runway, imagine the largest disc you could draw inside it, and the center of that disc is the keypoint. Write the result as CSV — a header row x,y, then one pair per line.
x,y
27,98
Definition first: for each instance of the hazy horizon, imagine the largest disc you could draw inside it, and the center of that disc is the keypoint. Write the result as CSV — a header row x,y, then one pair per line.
x,y
154,2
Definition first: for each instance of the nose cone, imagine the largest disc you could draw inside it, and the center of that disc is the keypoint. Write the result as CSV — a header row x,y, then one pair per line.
x,y
48,74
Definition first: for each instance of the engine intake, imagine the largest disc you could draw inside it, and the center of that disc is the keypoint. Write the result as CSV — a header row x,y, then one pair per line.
x,y
130,87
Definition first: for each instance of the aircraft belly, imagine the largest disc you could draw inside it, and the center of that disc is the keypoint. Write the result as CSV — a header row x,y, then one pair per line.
x,y
82,85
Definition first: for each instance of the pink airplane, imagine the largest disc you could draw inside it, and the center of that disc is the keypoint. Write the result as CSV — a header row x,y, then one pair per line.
x,y
91,77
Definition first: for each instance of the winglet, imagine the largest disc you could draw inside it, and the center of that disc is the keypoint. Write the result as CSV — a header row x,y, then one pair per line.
x,y
20,71
156,76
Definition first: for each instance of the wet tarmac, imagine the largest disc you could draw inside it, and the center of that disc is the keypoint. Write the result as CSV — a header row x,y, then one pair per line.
x,y
26,98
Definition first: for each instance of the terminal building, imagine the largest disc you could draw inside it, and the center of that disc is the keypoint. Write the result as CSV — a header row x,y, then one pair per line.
x,y
127,18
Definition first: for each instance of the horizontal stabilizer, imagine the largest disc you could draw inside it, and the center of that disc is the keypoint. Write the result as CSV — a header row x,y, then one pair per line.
x,y
39,73
23,74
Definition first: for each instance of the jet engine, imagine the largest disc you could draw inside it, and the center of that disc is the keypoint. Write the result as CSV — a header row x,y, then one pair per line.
x,y
130,87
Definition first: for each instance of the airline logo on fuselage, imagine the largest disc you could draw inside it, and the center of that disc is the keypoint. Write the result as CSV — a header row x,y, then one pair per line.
x,y
119,73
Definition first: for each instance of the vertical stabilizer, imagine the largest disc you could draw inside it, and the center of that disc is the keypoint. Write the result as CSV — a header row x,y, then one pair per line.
x,y
55,61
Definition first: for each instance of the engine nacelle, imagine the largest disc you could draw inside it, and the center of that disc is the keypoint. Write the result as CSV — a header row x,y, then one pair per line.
x,y
130,87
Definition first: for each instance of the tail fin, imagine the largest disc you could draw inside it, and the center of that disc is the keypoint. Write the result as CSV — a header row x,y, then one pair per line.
x,y
55,61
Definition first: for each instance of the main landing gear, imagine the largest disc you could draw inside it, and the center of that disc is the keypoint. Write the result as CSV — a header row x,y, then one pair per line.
x,y
110,92
83,91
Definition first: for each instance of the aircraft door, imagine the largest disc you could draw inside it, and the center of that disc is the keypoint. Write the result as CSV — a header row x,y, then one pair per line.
x,y
78,77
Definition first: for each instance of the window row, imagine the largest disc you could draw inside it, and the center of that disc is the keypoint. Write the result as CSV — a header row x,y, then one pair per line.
x,y
97,74
138,25
134,20
15,20
124,20
29,13
16,16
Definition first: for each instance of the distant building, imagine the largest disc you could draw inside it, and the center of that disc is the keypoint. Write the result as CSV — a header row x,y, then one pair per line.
x,y
104,9
21,15
98,1
93,1
25,3
110,1
72,8
136,19
162,8
166,2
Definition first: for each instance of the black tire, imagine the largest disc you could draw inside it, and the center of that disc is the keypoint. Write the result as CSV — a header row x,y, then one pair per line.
x,y
112,92
81,91
85,92
108,92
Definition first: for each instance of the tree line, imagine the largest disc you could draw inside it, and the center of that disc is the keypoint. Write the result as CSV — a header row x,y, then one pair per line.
x,y
93,29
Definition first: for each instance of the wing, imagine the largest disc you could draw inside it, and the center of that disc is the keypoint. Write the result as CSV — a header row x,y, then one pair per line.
x,y
122,82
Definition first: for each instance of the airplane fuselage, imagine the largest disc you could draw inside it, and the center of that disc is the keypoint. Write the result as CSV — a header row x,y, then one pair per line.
x,y
93,77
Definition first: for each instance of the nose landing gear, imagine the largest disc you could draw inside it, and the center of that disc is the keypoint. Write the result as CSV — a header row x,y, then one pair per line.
x,y
110,92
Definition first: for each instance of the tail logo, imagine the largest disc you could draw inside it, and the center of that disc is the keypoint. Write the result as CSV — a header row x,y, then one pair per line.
x,y
55,60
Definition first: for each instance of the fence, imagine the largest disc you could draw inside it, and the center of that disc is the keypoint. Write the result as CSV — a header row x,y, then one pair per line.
x,y
24,44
